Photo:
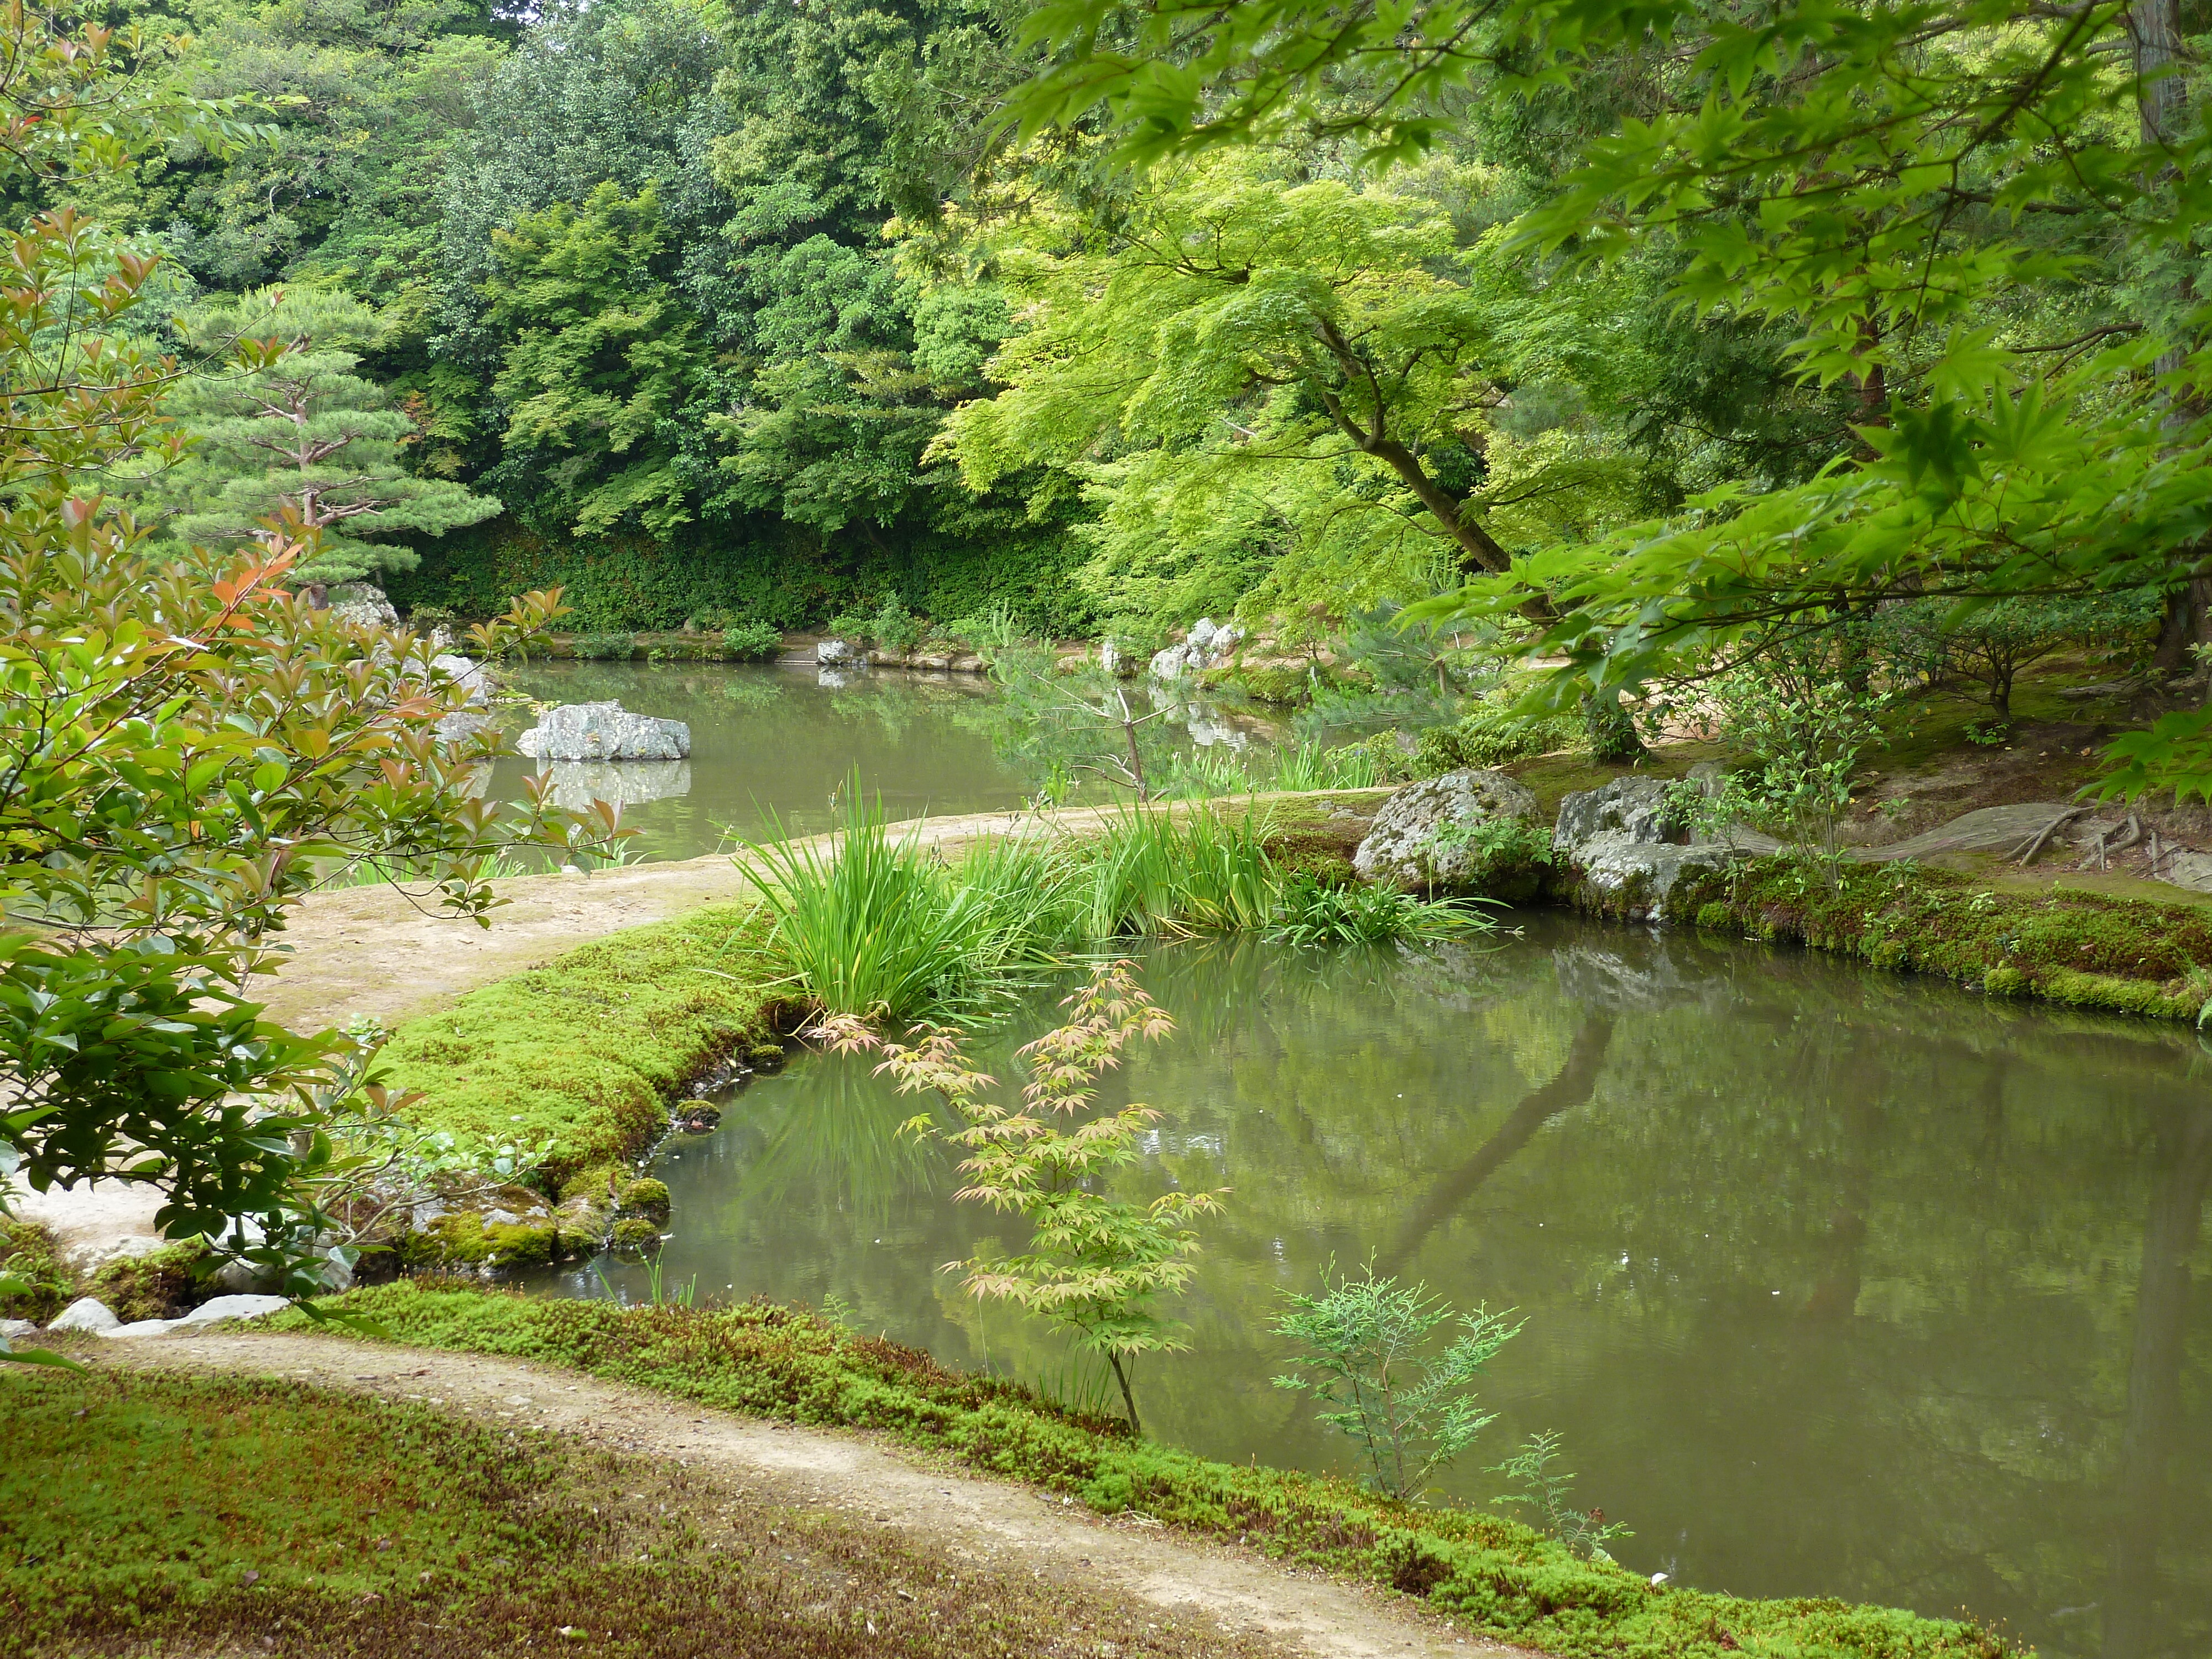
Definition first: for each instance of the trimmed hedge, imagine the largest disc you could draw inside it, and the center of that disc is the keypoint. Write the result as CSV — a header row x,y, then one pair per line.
x,y
1492,1575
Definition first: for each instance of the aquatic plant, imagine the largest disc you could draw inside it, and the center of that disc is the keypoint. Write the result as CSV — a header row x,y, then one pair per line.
x,y
1313,913
875,924
1176,874
1410,1414
1095,1265
1304,766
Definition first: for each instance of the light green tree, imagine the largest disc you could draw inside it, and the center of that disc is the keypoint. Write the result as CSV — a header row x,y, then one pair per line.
x,y
1096,1265
1258,378
300,433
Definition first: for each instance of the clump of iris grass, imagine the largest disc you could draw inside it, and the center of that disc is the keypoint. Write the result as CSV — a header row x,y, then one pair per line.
x,y
872,922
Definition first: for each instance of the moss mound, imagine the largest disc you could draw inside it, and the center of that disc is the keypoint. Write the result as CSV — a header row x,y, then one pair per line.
x,y
588,1048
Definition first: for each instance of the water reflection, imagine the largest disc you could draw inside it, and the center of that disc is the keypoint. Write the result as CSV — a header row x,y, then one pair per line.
x,y
1838,1282
774,746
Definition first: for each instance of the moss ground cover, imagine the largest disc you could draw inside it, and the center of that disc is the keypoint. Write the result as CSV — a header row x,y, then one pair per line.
x,y
587,1048
143,1514
2068,945
1493,1575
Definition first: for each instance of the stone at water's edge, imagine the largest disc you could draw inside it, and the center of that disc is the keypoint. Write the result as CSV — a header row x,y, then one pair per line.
x,y
1623,852
838,653
604,731
1207,647
1401,849
363,603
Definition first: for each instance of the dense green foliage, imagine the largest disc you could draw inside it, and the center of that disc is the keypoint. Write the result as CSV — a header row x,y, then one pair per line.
x,y
1496,1574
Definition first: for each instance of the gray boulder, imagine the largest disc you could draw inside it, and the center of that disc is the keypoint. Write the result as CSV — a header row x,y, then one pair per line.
x,y
1403,849
12,1328
1205,646
458,727
604,731
363,605
1632,807
85,1314
232,1307
839,654
1625,849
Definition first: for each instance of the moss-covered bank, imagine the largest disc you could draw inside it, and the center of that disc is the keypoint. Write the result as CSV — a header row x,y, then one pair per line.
x,y
2067,945
1491,1574
589,1048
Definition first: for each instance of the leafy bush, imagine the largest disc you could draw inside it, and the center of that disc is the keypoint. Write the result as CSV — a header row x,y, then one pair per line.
x,y
752,642
1509,855
1410,1413
1490,736
603,647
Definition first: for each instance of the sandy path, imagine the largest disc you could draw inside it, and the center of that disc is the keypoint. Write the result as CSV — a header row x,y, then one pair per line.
x,y
373,951
864,1479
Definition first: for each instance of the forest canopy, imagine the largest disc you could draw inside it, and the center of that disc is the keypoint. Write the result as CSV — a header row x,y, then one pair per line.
x,y
1644,333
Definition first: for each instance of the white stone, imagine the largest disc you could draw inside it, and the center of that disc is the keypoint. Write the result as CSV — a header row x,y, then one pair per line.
x,y
1401,849
143,1328
85,1314
232,1307
838,653
577,784
460,726
604,731
11,1329
363,605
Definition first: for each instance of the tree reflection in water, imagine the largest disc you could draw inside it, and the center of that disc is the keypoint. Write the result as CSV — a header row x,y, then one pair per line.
x,y
1838,1282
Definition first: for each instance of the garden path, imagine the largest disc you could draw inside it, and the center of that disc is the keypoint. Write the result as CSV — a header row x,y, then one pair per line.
x,y
864,1479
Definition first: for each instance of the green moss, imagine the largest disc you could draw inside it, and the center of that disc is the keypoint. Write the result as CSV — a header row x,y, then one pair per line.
x,y
588,1048
1493,1575
154,1515
28,1251
467,1239
636,1235
160,1285
2084,949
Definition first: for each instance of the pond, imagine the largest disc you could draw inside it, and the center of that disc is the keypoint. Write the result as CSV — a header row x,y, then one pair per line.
x,y
1836,1283
776,744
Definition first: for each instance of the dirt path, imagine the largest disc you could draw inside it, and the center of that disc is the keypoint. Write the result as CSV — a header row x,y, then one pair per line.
x,y
862,1480
373,951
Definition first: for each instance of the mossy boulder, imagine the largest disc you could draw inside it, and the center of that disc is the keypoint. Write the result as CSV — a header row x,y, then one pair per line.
x,y
636,1237
646,1197
164,1284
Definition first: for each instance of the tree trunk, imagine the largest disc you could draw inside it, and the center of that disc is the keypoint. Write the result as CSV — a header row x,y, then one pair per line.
x,y
1128,1399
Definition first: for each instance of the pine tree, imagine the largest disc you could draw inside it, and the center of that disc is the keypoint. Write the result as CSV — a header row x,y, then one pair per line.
x,y
303,433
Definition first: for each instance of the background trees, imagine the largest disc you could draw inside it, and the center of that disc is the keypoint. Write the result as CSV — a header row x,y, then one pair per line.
x,y
294,432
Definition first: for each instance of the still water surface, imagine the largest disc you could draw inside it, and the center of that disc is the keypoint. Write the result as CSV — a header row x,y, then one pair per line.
x,y
773,744
1836,1282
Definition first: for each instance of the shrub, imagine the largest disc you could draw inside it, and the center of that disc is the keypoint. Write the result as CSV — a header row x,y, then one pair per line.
x,y
752,642
30,1257
1509,855
163,1284
1095,1265
1410,1413
603,647
1490,736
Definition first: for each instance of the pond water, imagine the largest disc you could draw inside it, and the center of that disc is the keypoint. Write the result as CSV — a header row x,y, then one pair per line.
x,y
776,744
1836,1282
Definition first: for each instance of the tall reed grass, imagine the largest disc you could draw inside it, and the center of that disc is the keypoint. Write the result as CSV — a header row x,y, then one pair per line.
x,y
872,922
